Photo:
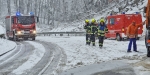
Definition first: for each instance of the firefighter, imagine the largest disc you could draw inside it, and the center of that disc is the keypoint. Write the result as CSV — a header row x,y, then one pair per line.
x,y
132,33
87,28
93,31
102,29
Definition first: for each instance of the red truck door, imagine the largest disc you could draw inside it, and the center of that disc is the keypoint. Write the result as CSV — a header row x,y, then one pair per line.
x,y
112,27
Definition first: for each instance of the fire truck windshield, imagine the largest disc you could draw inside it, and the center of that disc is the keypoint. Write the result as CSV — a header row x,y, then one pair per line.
x,y
26,20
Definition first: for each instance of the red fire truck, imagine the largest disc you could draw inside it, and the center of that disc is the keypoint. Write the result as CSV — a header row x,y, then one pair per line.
x,y
21,26
117,25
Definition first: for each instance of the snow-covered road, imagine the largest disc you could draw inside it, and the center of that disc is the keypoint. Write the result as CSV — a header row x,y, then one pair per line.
x,y
65,53
33,58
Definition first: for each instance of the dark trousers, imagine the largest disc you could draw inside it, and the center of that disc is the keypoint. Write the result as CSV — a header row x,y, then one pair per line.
x,y
93,39
101,40
88,39
132,40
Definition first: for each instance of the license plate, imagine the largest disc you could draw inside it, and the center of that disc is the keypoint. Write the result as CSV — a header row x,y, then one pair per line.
x,y
26,31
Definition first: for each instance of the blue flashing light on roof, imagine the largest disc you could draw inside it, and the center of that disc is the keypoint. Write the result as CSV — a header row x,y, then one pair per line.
x,y
31,13
123,12
110,14
18,14
137,12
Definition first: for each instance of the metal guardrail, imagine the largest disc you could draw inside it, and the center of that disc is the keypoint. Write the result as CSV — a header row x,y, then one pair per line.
x,y
62,33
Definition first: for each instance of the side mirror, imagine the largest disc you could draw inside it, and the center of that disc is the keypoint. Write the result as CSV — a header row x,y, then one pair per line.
x,y
37,19
145,9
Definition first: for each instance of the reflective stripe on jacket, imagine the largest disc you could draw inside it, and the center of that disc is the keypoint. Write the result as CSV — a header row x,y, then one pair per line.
x,y
102,29
88,28
93,28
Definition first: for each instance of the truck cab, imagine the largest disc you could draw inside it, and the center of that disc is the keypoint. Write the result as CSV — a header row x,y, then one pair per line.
x,y
21,27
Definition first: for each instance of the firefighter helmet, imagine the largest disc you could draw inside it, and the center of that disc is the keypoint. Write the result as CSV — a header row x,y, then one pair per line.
x,y
102,20
86,21
93,20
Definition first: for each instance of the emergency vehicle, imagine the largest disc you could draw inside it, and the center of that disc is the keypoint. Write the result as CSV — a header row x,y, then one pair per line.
x,y
118,24
21,26
147,36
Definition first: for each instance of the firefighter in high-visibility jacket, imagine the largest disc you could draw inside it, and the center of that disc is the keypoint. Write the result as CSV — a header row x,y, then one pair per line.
x,y
93,31
87,27
102,29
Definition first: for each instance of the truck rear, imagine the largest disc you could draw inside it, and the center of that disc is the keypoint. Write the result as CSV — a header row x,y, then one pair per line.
x,y
118,24
21,27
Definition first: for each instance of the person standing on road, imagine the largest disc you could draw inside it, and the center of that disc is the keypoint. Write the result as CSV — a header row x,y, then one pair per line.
x,y
102,29
132,33
93,31
87,27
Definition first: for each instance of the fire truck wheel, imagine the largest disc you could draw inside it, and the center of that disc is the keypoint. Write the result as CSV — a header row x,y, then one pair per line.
x,y
148,52
118,38
33,38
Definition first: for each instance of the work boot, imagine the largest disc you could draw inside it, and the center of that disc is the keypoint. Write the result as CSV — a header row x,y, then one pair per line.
x,y
136,51
129,51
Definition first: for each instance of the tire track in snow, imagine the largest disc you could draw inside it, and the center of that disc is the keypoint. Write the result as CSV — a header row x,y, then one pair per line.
x,y
51,63
17,58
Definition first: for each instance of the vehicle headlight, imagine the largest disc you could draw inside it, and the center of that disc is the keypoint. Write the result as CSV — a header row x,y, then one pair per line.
x,y
18,32
34,31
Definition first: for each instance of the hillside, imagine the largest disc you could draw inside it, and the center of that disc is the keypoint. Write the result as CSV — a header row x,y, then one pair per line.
x,y
130,8
68,15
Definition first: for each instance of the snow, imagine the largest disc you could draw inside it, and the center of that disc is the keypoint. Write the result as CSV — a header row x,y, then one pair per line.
x,y
1,29
141,71
6,45
78,25
79,54
33,59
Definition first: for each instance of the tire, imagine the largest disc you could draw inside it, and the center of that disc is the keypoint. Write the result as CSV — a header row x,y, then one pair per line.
x,y
33,38
118,37
148,52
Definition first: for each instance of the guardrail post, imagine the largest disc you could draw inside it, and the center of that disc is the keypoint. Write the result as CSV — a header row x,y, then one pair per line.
x,y
61,34
55,34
